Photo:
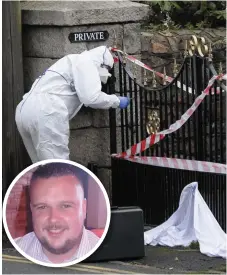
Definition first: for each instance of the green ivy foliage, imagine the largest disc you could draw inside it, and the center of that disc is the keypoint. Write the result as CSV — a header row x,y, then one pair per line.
x,y
187,14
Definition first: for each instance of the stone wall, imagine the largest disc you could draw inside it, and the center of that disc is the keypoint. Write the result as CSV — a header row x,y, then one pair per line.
x,y
159,48
46,28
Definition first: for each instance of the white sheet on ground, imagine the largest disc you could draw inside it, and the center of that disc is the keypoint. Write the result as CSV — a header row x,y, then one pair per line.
x,y
192,221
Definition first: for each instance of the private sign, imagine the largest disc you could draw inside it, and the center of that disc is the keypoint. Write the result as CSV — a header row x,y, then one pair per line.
x,y
88,36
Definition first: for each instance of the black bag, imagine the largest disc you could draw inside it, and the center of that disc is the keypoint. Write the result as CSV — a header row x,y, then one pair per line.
x,y
125,237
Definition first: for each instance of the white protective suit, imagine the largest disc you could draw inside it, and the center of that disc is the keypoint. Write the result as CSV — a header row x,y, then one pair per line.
x,y
42,117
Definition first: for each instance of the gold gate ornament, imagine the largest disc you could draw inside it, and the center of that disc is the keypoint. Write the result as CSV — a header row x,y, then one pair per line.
x,y
197,45
153,122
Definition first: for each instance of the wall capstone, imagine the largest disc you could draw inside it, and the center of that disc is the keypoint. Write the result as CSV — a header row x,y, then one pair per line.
x,y
46,29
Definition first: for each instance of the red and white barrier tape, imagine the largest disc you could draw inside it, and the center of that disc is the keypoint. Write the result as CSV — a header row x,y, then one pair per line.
x,y
153,139
167,78
183,164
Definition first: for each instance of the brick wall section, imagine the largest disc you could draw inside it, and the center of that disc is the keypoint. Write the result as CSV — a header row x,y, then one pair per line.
x,y
16,214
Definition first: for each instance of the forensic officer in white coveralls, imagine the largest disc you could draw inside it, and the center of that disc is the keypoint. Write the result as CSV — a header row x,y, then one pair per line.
x,y
42,117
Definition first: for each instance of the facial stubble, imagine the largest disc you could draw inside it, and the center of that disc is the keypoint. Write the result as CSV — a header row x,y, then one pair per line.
x,y
65,248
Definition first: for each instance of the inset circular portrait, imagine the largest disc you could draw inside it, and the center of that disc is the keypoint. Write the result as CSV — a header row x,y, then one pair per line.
x,y
56,213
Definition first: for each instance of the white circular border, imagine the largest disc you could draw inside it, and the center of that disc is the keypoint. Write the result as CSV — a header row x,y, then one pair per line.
x,y
107,219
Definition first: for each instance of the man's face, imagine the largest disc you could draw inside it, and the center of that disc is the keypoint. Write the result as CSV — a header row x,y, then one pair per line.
x,y
58,212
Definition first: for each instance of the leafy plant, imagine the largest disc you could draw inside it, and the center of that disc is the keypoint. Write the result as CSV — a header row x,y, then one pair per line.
x,y
192,14
166,5
189,26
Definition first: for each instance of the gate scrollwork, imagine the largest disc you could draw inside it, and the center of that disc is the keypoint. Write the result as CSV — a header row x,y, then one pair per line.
x,y
153,122
197,45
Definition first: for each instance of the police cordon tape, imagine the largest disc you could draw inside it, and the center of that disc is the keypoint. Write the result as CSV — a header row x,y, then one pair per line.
x,y
167,78
183,164
141,64
155,138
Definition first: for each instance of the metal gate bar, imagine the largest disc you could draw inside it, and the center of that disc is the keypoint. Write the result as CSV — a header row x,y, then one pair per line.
x,y
157,189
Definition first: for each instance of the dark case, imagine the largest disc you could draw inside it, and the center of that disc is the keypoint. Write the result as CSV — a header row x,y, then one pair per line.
x,y
125,237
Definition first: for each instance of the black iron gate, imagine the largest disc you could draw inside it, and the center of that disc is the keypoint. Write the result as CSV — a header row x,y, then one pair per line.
x,y
202,138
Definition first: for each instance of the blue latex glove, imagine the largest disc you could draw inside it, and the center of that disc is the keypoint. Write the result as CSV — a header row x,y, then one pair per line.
x,y
124,102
